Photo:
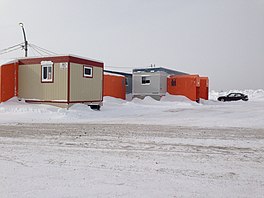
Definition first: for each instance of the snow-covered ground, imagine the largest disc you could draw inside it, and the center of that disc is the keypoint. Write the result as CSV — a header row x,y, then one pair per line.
x,y
86,160
139,148
171,110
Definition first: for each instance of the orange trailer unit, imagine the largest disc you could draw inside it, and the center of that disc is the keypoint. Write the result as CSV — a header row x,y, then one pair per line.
x,y
114,86
8,81
185,85
204,87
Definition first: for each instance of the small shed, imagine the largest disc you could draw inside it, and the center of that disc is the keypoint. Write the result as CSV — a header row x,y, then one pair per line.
x,y
114,85
204,88
8,80
185,85
151,81
61,80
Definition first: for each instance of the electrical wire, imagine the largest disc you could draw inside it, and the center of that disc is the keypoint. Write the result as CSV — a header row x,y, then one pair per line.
x,y
33,48
43,50
11,50
39,50
3,50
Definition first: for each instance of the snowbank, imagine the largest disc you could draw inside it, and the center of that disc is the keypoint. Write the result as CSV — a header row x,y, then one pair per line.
x,y
171,110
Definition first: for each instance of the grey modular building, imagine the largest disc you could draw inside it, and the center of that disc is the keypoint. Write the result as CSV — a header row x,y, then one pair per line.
x,y
151,81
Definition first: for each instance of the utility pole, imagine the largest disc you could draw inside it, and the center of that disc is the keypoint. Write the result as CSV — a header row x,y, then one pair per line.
x,y
25,39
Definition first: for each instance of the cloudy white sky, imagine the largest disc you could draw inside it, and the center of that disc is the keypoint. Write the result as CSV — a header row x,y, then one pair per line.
x,y
221,39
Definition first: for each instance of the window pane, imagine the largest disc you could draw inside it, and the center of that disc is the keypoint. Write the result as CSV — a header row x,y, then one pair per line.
x,y
87,71
45,72
145,80
49,73
173,82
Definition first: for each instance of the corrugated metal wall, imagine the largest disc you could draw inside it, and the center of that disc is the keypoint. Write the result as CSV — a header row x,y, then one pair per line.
x,y
204,88
85,89
31,87
146,89
186,85
114,86
1,84
8,81
157,86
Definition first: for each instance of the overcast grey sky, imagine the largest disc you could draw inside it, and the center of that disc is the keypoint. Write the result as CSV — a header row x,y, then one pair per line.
x,y
221,39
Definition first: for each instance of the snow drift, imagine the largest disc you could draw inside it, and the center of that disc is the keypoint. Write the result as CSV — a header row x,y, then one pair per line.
x,y
171,110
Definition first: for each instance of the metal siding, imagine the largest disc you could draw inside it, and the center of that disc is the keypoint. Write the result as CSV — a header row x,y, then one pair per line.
x,y
129,79
30,86
8,79
114,86
152,89
129,86
85,89
163,83
186,85
0,84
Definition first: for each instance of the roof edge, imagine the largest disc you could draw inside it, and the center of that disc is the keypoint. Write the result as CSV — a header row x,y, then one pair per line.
x,y
60,55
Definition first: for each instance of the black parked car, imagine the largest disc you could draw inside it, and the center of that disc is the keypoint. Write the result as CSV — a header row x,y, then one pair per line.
x,y
233,97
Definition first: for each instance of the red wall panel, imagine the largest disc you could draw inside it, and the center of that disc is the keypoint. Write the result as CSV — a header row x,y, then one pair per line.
x,y
204,88
0,84
114,86
185,85
9,82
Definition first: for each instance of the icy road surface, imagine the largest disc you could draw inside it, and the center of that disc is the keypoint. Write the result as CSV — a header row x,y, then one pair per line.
x,y
85,160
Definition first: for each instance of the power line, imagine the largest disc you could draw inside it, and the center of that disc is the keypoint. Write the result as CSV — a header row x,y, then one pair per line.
x,y
40,50
11,50
43,49
6,49
33,49
37,50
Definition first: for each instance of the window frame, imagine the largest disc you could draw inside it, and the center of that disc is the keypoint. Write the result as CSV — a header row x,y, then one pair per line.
x,y
47,64
145,80
88,67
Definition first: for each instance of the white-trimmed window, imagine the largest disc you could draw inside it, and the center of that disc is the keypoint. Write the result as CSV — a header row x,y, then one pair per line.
x,y
87,71
46,71
145,80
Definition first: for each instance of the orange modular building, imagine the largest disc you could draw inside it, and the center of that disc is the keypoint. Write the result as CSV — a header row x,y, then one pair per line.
x,y
8,81
114,85
185,85
204,87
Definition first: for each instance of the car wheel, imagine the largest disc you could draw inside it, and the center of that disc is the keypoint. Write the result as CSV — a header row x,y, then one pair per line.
x,y
222,100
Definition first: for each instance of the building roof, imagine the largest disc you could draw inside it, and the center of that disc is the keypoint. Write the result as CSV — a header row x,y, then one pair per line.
x,y
60,55
158,69
113,74
7,61
55,57
60,59
117,72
